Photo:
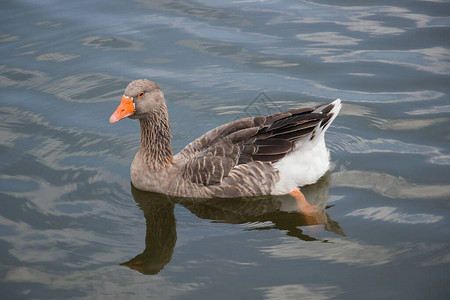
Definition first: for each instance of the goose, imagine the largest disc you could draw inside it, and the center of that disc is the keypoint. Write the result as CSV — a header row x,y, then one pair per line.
x,y
254,156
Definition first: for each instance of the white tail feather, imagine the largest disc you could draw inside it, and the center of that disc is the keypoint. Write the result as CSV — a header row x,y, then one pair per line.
x,y
310,158
335,111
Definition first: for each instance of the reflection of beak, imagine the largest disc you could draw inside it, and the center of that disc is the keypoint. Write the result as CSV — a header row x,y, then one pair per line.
x,y
125,109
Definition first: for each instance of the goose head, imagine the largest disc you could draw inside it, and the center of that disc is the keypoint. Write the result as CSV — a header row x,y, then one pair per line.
x,y
141,99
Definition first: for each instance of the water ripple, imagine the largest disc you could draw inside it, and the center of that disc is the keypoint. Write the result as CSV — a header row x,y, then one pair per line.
x,y
351,252
83,88
389,185
355,144
328,39
111,43
389,214
56,57
301,291
365,19
435,60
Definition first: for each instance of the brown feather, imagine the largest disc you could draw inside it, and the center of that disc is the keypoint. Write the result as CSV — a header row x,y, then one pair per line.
x,y
297,119
244,159
300,126
272,118
305,110
242,134
292,136
269,158
247,141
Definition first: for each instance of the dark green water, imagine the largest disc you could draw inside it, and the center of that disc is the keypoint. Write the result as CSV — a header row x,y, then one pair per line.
x,y
71,226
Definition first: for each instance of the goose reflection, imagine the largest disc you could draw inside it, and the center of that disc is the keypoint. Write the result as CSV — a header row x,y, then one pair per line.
x,y
282,212
160,234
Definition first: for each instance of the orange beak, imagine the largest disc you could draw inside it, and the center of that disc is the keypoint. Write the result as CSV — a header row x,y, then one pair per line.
x,y
125,109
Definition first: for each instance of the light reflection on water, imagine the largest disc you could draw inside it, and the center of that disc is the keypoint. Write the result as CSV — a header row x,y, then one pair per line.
x,y
68,218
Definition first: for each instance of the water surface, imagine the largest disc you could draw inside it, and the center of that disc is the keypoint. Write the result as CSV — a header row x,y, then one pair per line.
x,y
72,226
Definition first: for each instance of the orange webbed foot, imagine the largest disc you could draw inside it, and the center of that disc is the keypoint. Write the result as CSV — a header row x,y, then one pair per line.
x,y
313,213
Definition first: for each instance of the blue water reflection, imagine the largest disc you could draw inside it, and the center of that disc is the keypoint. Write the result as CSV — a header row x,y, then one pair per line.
x,y
69,218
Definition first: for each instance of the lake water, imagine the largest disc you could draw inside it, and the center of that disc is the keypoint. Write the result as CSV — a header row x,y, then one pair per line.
x,y
73,227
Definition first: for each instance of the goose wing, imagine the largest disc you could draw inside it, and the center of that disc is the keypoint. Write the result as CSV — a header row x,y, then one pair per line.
x,y
209,159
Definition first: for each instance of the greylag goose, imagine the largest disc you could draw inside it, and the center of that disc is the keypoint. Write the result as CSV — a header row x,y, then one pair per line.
x,y
255,156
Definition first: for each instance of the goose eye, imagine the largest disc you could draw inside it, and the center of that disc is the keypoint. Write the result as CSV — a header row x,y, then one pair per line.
x,y
141,94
